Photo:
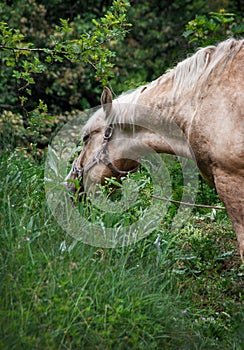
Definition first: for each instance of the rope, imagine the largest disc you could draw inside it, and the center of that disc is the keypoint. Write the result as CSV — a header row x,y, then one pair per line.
x,y
188,204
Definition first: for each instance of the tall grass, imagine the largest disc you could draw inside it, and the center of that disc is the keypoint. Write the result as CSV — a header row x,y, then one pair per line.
x,y
57,293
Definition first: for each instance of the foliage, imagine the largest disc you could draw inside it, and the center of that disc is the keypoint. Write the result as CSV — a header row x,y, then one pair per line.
x,y
136,185
91,47
26,65
209,29
56,293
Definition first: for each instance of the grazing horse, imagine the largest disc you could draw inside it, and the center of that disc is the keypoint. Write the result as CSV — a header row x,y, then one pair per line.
x,y
194,110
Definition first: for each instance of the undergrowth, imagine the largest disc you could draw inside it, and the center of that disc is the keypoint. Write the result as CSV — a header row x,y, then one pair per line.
x,y
171,290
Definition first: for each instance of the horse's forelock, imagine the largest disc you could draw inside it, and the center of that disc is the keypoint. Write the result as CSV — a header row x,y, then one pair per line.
x,y
122,112
124,107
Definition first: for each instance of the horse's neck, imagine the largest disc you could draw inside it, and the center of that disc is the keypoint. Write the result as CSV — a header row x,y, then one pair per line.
x,y
167,116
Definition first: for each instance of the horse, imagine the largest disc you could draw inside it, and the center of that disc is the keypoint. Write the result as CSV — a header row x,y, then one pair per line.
x,y
194,110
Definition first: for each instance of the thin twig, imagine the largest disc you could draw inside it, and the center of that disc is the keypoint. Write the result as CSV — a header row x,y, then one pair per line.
x,y
25,49
188,204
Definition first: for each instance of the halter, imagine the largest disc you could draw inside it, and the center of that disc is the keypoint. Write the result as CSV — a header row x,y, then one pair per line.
x,y
102,157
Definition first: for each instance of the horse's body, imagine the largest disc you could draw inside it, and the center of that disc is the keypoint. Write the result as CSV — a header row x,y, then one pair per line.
x,y
195,110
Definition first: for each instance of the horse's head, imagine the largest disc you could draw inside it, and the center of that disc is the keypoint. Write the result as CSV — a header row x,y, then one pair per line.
x,y
107,149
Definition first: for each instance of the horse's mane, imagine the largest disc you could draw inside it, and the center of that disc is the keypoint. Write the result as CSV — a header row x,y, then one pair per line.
x,y
124,107
185,76
188,72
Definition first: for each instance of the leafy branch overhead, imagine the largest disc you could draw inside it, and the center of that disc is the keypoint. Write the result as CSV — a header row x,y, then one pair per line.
x,y
208,29
93,47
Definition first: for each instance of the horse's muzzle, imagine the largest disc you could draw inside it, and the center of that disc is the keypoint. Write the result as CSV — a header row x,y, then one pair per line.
x,y
73,180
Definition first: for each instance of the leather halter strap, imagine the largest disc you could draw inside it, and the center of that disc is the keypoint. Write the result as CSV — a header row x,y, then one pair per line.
x,y
102,157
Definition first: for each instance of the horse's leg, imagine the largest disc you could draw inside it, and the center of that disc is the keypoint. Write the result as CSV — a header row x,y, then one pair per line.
x,y
230,188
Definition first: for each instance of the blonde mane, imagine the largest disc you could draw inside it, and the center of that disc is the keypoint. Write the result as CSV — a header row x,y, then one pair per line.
x,y
199,66
185,76
124,107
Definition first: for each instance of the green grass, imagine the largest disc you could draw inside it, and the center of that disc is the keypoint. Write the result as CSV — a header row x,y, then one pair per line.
x,y
57,293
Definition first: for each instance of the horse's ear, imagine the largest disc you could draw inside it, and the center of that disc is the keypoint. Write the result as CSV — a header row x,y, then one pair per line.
x,y
106,100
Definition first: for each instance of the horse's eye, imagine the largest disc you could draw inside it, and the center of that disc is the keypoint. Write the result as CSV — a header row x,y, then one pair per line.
x,y
86,138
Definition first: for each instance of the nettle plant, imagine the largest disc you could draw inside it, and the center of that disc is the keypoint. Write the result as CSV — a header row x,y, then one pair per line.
x,y
24,62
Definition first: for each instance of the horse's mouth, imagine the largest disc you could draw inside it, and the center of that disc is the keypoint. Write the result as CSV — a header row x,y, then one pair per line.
x,y
77,188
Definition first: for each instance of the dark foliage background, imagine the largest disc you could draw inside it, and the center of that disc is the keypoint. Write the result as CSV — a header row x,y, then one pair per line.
x,y
153,44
